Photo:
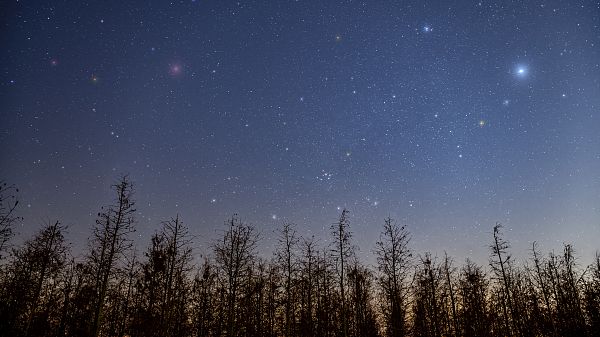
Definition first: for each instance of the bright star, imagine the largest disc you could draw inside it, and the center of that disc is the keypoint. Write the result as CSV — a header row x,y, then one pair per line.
x,y
521,71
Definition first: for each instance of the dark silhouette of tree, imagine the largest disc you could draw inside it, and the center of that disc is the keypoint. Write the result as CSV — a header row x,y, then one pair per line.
x,y
449,275
285,254
429,318
127,294
308,280
393,262
326,310
500,264
363,318
234,256
473,312
541,286
30,294
567,287
8,219
258,300
164,287
204,300
592,298
342,250
304,289
108,246
79,295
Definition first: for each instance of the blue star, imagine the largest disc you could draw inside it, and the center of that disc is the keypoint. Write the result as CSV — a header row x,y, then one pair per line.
x,y
521,71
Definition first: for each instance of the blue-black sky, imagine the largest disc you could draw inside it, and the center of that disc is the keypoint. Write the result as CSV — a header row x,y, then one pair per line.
x,y
448,116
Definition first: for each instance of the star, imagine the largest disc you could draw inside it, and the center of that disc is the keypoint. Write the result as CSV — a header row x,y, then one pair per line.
x,y
54,62
427,29
482,123
175,69
521,71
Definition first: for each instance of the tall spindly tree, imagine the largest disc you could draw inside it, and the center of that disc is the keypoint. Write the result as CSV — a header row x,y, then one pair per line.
x,y
393,263
342,250
109,245
8,219
235,253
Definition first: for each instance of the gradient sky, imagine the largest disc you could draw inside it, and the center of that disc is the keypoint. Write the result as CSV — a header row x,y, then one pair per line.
x,y
448,116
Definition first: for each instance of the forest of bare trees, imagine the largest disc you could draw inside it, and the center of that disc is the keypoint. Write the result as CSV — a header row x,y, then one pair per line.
x,y
306,288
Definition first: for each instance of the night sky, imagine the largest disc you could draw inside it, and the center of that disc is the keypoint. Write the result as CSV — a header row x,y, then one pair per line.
x,y
447,116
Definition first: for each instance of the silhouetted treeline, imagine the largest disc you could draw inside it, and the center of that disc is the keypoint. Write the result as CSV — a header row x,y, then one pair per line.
x,y
306,288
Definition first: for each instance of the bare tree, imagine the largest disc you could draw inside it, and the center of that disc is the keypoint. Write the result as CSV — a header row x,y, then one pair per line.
x,y
234,255
204,300
448,272
393,262
32,289
567,283
342,250
325,311
362,320
473,312
179,257
429,318
308,280
8,219
128,292
285,254
540,280
500,264
109,244
303,290
164,286
592,298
